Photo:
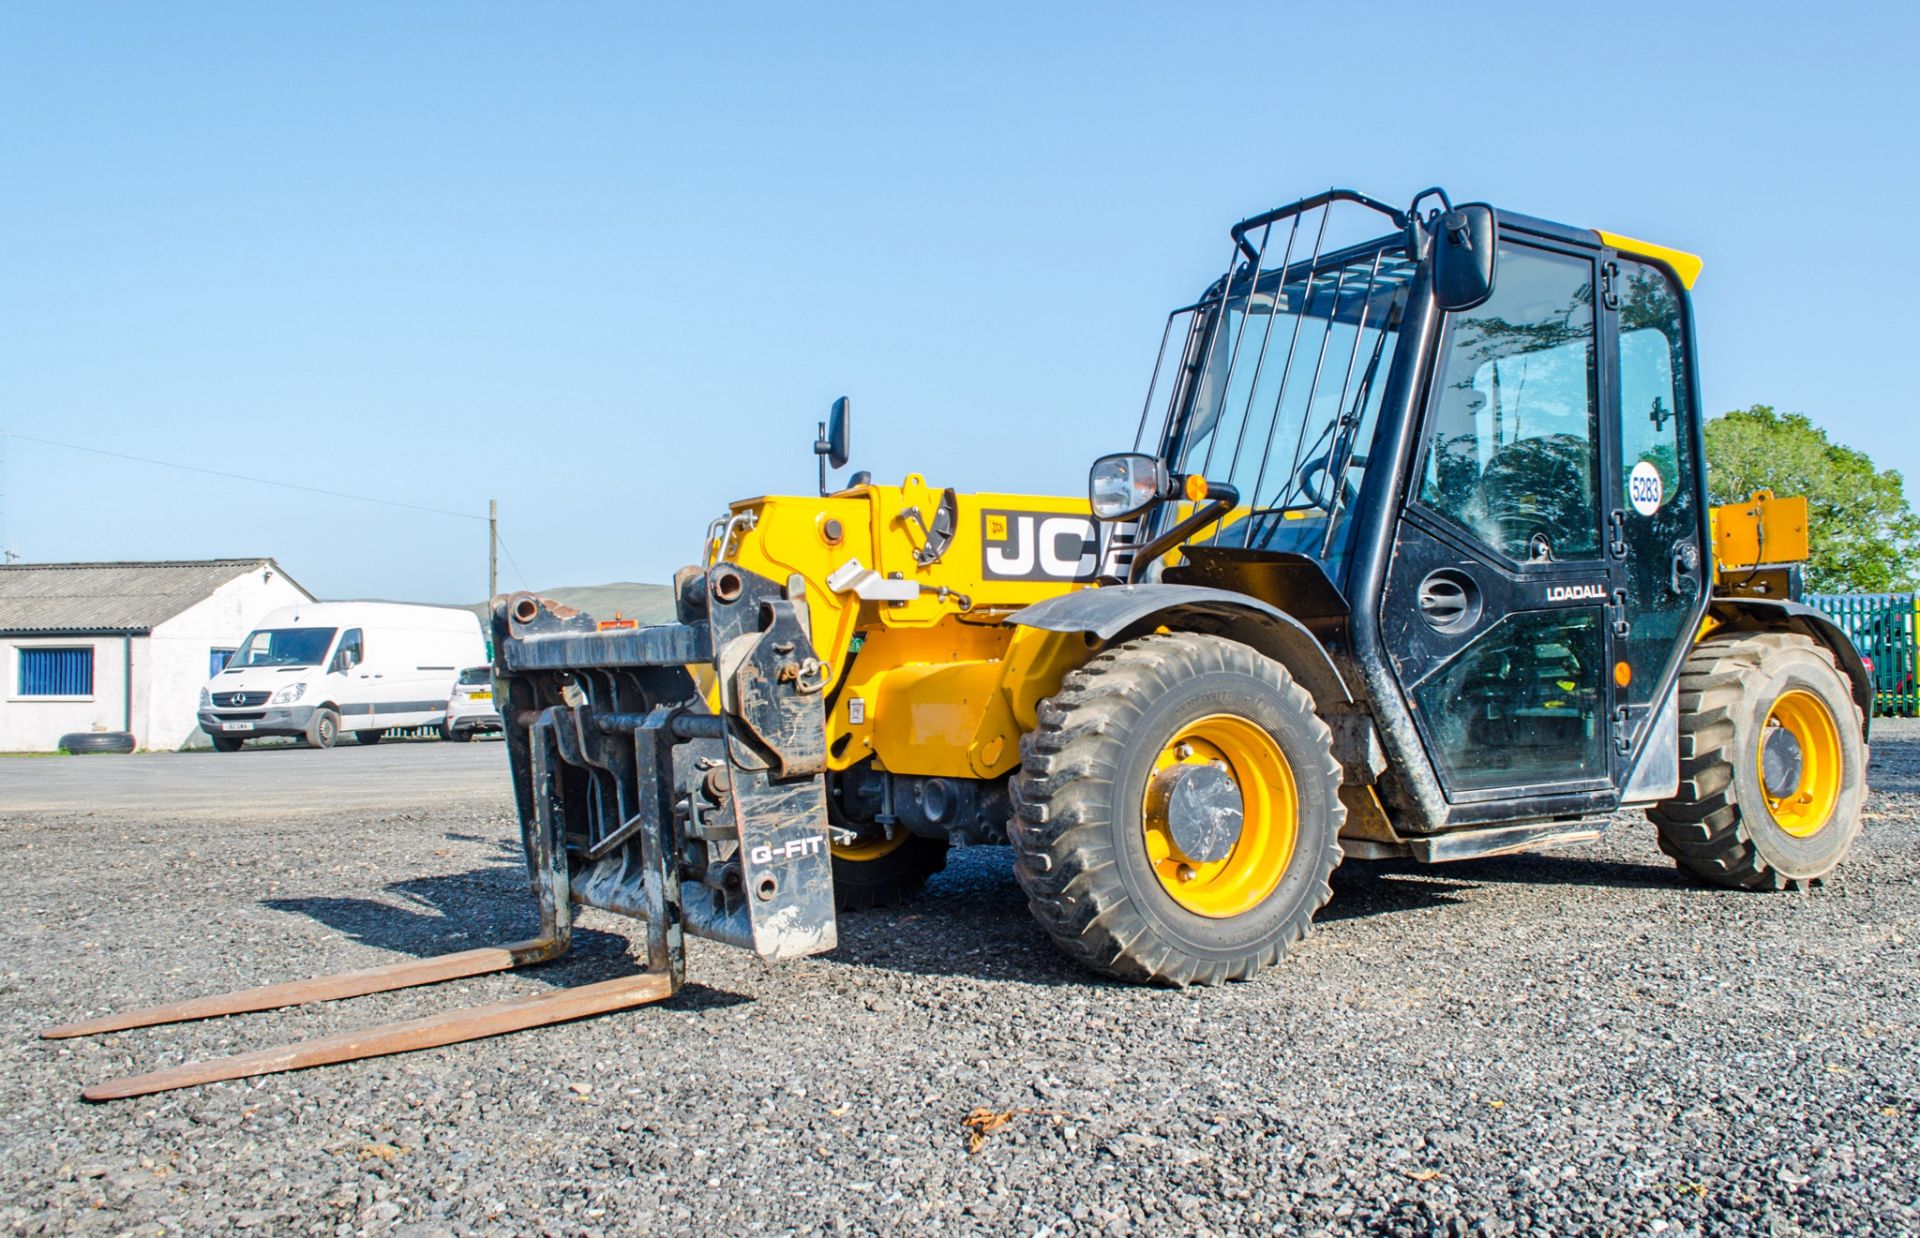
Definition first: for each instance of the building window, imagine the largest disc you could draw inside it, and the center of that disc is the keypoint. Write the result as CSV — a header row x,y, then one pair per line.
x,y
56,672
217,660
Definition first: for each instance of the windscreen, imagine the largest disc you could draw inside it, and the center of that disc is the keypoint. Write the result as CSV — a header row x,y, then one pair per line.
x,y
284,647
474,676
1278,380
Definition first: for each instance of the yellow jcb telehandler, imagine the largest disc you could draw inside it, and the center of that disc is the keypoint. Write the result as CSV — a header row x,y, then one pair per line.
x,y
1413,558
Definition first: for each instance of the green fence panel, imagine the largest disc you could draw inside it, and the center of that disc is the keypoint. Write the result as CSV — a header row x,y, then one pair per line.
x,y
1884,628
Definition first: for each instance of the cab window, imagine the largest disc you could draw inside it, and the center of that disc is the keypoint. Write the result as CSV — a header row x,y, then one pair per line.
x,y
352,651
1512,454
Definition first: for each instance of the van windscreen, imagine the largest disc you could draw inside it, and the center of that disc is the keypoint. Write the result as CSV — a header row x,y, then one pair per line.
x,y
284,647
475,675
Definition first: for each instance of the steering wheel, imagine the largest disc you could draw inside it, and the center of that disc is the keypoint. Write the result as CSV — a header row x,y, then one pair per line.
x,y
1314,482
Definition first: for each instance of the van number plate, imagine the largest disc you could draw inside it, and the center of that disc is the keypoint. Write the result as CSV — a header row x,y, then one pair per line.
x,y
236,726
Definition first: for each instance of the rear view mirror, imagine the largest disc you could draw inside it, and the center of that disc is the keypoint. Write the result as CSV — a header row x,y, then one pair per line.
x,y
838,428
1464,240
831,446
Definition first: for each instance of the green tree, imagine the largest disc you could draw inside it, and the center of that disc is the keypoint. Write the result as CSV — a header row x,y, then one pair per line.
x,y
1864,538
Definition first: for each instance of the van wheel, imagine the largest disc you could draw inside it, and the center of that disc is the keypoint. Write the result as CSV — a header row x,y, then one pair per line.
x,y
368,738
1177,811
226,743
323,729
455,734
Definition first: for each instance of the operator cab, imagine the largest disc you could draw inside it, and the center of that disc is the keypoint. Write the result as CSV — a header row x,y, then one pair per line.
x,y
1463,446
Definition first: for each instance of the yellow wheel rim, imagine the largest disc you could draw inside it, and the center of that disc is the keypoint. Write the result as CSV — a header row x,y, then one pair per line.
x,y
1804,810
870,849
1270,805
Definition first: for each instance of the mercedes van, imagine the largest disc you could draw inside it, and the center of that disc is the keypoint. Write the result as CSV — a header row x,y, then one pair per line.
x,y
317,668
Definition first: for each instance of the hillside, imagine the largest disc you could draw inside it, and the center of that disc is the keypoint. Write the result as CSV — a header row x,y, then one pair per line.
x,y
647,603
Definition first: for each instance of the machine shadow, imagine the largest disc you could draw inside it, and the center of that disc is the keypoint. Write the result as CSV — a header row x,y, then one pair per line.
x,y
972,921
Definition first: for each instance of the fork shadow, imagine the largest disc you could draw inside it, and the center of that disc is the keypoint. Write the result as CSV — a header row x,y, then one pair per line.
x,y
484,907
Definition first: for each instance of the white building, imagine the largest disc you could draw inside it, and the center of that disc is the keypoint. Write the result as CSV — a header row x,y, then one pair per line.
x,y
123,646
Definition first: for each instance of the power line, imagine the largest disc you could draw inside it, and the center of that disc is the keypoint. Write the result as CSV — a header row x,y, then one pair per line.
x,y
510,559
260,481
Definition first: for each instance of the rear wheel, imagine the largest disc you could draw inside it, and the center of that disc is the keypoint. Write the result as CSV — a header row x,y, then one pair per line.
x,y
368,738
1177,812
323,728
1772,764
226,743
881,872
456,734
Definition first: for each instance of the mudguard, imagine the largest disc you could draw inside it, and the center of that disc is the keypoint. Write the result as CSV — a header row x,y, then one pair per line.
x,y
1108,611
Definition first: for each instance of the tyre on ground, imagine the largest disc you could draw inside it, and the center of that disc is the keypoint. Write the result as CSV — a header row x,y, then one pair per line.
x,y
1177,811
368,738
1773,760
97,741
226,743
456,734
883,872
323,729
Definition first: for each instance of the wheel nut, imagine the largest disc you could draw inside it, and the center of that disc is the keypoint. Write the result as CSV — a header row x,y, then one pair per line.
x,y
1187,873
1182,751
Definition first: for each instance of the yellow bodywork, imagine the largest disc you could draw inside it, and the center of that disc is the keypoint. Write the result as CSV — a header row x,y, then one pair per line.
x,y
1685,265
937,684
1764,530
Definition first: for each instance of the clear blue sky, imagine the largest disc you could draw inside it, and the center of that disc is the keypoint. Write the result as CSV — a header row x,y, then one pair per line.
x,y
611,263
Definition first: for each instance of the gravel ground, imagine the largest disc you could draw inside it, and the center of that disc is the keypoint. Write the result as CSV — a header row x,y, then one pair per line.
x,y
1574,1042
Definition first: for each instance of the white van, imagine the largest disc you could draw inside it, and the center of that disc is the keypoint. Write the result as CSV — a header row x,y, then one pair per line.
x,y
318,668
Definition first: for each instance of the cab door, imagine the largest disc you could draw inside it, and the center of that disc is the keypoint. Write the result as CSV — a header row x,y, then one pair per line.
x,y
1655,521
1499,610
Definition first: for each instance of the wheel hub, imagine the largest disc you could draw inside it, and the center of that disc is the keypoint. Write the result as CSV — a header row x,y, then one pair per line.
x,y
1203,809
1781,762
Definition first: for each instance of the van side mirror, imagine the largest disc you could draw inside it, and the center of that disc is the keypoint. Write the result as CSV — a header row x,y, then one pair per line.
x,y
1464,243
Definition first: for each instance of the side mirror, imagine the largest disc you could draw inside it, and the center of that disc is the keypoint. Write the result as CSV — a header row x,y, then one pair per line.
x,y
838,428
1464,242
831,446
1120,485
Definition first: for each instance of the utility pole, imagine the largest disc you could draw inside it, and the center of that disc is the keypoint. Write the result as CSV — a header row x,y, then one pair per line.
x,y
493,548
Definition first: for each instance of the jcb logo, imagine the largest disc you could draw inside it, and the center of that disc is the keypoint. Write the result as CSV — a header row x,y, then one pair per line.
x,y
1046,546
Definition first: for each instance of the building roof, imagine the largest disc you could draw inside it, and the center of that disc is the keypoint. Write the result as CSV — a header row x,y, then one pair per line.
x,y
111,597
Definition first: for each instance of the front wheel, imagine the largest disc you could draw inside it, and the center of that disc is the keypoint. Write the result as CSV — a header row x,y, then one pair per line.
x,y
323,728
1177,812
226,743
1773,764
880,872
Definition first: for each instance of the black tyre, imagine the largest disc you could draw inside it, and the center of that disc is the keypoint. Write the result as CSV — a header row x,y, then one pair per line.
x,y
226,743
1125,832
97,741
1772,764
323,729
368,738
883,873
455,734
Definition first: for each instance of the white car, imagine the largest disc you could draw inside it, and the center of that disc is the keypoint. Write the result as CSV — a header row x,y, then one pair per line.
x,y
470,709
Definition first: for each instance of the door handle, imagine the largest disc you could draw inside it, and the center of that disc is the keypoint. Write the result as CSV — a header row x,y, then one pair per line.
x,y
1685,581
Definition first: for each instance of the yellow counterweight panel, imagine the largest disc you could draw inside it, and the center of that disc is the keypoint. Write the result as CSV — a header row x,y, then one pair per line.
x,y
1762,530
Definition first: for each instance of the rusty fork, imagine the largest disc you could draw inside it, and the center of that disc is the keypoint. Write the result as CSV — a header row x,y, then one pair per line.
x,y
666,963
